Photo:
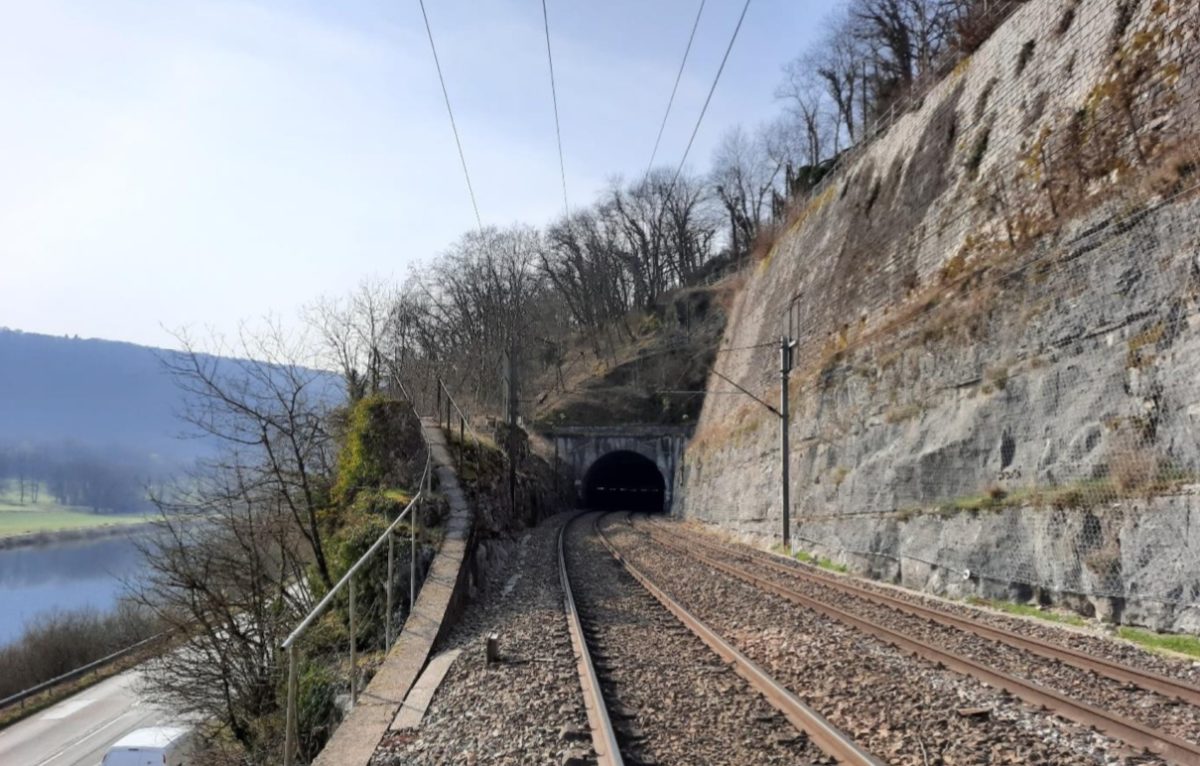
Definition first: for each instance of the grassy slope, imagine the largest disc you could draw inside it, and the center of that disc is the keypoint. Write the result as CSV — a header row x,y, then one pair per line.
x,y
670,347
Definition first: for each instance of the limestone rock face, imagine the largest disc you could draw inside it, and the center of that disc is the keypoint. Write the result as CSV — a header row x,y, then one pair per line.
x,y
995,303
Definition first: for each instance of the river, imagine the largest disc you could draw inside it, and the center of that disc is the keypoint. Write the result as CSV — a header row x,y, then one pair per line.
x,y
37,579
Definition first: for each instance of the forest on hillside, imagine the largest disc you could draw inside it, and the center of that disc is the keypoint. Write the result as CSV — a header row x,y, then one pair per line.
x,y
73,475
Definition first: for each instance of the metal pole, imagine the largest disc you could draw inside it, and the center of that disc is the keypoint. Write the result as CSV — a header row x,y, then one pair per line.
x,y
353,649
412,559
289,733
462,443
391,577
786,345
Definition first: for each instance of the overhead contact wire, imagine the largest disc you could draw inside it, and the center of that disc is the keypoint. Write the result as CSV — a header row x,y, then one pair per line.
x,y
711,90
450,111
674,90
562,167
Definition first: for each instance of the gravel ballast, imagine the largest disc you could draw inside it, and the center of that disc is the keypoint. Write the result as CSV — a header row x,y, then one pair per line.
x,y
525,709
673,700
905,710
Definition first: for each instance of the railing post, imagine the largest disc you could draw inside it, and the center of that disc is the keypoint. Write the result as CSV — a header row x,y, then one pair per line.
x,y
462,443
412,558
353,649
391,577
438,388
447,414
290,733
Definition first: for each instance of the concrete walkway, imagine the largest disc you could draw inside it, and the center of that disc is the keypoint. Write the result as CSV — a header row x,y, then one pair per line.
x,y
442,593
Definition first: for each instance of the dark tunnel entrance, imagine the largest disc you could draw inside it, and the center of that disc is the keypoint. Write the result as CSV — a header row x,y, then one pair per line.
x,y
624,481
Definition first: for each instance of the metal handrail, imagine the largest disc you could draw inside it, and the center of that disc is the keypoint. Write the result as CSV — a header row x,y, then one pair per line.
x,y
451,403
464,424
320,607
291,734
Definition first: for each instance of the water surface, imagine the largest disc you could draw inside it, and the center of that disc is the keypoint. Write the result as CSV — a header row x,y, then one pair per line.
x,y
66,575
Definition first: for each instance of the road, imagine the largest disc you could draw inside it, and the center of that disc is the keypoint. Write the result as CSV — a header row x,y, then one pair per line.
x,y
77,731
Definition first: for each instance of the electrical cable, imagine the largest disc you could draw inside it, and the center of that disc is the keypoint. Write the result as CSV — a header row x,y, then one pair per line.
x,y
453,125
562,168
716,79
674,89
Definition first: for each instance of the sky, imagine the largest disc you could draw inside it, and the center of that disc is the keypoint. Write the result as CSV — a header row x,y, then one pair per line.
x,y
170,164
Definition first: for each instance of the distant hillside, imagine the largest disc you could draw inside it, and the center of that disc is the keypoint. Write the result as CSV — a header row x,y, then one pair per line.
x,y
95,392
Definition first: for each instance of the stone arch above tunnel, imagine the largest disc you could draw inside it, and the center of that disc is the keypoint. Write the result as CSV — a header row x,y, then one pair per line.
x,y
578,448
624,480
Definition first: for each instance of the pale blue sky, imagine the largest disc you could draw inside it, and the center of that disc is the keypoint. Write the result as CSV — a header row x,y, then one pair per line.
x,y
199,162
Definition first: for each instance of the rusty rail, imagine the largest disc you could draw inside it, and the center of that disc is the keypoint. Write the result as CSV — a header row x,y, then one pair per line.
x,y
604,738
1131,732
833,741
1117,671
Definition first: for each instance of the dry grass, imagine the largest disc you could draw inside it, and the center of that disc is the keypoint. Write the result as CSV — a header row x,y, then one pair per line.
x,y
1133,465
901,413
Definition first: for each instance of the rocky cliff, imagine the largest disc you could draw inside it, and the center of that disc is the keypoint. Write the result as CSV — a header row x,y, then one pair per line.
x,y
995,303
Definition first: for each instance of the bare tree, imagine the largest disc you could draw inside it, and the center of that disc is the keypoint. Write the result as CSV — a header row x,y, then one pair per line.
x,y
805,122
355,331
265,401
746,173
225,570
240,548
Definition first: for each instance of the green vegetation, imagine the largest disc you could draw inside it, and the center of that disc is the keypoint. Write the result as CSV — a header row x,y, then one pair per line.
x,y
1127,480
1142,345
378,439
1025,55
51,517
807,558
1029,610
1189,645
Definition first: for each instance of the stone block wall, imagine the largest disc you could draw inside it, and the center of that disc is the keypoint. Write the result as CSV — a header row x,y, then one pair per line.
x,y
996,312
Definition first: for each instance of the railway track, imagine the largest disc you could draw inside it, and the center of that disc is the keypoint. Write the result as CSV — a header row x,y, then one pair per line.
x,y
794,584
604,737
647,661
1159,683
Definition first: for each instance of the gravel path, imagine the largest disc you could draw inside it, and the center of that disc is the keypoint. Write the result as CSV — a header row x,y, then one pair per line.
x,y
904,709
1149,708
673,701
1072,638
526,709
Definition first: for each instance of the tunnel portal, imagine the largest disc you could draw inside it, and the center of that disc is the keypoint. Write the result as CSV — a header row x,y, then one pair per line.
x,y
624,481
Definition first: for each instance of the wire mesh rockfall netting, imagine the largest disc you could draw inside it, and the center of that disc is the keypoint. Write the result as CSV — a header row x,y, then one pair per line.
x,y
998,368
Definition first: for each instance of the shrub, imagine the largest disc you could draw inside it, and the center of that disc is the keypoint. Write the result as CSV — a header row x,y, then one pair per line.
x,y
381,446
1133,465
60,641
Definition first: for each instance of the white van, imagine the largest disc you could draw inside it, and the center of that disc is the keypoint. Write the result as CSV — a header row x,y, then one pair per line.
x,y
157,746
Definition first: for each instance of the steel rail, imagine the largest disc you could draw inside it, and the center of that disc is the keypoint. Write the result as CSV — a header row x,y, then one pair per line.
x,y
1117,671
1131,732
832,740
604,738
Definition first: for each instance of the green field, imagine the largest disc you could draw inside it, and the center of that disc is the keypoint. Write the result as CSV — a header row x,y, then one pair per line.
x,y
48,516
